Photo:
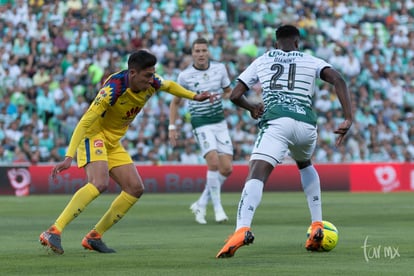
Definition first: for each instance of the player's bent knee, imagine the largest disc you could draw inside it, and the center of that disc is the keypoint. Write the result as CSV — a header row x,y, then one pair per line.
x,y
101,187
303,164
226,172
136,190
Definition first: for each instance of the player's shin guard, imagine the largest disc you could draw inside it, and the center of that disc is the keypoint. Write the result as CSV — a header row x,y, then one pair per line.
x,y
250,200
76,205
213,186
118,209
312,188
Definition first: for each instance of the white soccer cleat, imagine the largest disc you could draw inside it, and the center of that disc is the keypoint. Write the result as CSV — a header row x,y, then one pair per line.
x,y
221,216
200,213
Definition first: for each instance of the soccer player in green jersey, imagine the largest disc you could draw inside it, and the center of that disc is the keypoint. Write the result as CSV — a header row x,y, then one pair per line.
x,y
287,124
209,126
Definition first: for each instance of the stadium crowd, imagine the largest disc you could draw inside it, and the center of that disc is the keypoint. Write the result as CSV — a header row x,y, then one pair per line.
x,y
55,54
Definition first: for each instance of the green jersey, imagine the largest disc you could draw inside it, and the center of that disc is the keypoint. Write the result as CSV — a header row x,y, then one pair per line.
x,y
288,83
213,80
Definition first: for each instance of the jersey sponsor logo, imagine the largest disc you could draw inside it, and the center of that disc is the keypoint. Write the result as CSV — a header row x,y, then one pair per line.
x,y
98,143
300,110
289,54
132,112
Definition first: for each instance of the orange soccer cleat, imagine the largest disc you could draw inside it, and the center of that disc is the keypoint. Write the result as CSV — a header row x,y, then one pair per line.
x,y
241,237
313,243
51,238
93,241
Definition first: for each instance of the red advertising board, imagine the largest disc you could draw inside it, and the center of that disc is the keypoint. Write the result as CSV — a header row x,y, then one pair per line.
x,y
15,180
363,177
382,177
183,179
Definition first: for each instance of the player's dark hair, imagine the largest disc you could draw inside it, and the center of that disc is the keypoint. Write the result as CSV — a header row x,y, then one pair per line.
x,y
200,40
287,31
141,59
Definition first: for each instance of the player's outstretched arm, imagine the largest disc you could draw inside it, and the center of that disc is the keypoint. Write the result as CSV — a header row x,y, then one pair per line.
x,y
204,96
87,119
172,129
238,98
333,77
65,164
226,92
176,89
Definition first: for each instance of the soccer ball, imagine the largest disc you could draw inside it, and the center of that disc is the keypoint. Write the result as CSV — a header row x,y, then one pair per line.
x,y
330,238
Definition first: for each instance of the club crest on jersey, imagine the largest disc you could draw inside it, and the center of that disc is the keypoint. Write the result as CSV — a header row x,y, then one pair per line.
x,y
101,95
98,143
98,152
97,101
102,92
206,77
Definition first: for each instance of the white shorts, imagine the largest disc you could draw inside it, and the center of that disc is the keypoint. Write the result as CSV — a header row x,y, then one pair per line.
x,y
282,135
214,137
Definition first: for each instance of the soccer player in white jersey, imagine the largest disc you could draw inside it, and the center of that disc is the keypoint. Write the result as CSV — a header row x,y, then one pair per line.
x,y
287,123
209,126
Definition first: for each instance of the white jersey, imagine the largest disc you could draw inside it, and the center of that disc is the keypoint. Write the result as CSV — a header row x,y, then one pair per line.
x,y
288,83
213,80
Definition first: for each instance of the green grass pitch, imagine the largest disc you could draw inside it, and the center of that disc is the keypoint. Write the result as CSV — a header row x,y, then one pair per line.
x,y
159,237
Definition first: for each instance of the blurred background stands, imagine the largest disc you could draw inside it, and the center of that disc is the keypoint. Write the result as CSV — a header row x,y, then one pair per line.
x,y
54,55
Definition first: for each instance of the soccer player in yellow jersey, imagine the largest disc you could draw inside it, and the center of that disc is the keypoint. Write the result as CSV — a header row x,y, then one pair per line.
x,y
96,140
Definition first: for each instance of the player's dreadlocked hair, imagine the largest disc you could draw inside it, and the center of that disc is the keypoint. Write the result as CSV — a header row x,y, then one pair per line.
x,y
141,59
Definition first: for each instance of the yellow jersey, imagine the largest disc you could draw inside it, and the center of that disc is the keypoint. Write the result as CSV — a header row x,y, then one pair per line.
x,y
116,106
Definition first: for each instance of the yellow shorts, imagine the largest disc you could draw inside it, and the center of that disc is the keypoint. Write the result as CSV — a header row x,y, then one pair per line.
x,y
95,149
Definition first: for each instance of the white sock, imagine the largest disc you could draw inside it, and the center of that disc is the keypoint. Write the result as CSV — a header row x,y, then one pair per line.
x,y
312,188
222,178
204,198
205,195
213,186
250,200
